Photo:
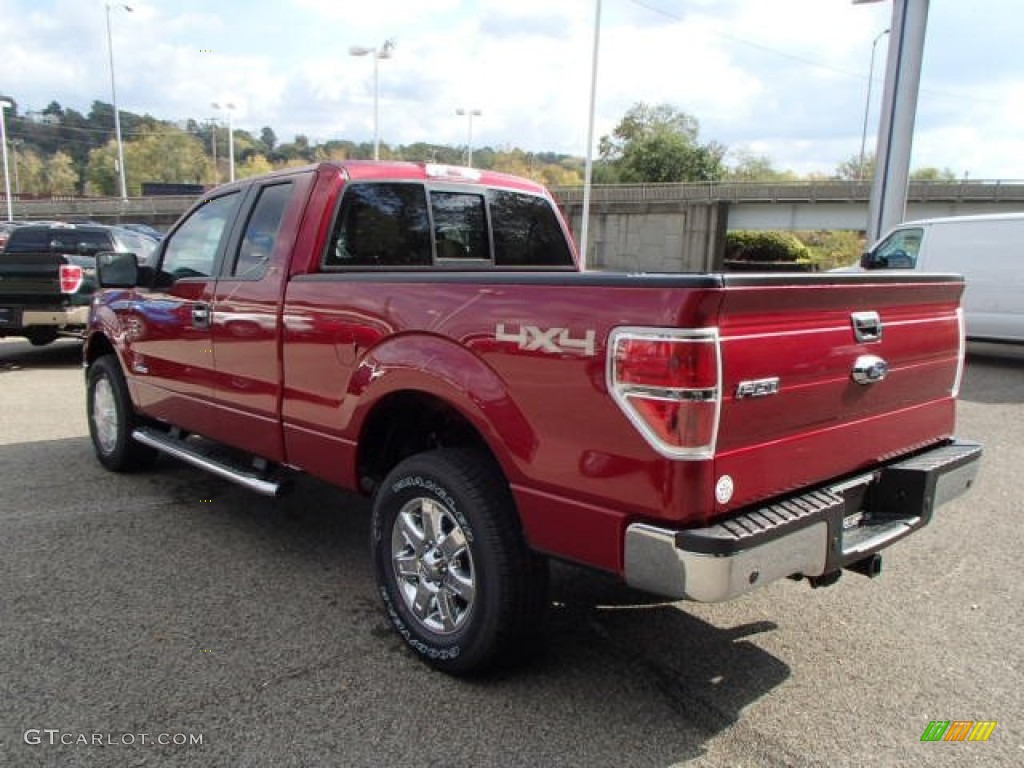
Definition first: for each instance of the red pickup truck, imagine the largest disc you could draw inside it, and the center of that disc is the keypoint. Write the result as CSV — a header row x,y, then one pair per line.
x,y
422,334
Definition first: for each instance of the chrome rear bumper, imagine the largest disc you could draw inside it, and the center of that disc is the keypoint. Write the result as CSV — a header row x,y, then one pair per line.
x,y
810,534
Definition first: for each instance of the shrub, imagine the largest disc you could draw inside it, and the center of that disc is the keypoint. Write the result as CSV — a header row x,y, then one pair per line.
x,y
749,245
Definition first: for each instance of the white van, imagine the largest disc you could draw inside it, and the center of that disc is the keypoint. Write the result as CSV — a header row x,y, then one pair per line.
x,y
988,250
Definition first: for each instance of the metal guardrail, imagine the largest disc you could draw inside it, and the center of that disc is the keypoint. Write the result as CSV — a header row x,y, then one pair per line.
x,y
799,192
996,190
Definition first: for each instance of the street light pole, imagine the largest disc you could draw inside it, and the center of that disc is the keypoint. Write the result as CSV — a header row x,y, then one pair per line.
x,y
229,108
384,52
213,144
589,166
117,116
469,113
867,102
4,105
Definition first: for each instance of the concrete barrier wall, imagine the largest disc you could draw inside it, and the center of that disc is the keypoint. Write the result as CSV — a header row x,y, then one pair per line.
x,y
653,236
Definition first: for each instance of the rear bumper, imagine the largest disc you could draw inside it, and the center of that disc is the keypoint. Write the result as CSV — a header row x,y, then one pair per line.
x,y
76,316
810,534
14,320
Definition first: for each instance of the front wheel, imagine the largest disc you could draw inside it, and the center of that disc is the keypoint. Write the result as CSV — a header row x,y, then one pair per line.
x,y
112,418
457,579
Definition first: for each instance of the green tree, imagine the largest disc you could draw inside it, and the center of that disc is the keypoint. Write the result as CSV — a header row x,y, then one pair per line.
x,y
850,169
268,137
30,171
167,155
932,174
660,144
749,166
59,174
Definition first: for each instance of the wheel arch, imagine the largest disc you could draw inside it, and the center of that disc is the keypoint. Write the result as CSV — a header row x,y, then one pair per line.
x,y
418,394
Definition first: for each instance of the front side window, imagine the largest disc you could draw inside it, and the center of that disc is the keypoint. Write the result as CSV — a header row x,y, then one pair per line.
x,y
192,250
527,232
899,250
261,231
381,225
460,225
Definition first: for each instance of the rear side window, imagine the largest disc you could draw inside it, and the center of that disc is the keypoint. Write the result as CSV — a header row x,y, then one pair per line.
x,y
381,225
527,232
460,225
261,231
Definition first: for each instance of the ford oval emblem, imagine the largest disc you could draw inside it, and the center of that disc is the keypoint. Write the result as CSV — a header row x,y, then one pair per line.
x,y
869,369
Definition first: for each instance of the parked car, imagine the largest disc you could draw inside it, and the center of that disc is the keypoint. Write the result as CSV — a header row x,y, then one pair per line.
x,y
47,272
985,249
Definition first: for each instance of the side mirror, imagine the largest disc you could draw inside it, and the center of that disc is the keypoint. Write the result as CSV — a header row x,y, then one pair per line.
x,y
871,260
117,270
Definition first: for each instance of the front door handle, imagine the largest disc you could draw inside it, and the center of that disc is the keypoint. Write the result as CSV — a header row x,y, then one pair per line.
x,y
200,315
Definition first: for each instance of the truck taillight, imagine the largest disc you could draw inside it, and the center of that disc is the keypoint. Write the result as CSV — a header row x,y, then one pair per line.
x,y
668,383
70,278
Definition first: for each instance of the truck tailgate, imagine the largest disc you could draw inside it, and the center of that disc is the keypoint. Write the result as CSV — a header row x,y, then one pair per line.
x,y
823,378
30,278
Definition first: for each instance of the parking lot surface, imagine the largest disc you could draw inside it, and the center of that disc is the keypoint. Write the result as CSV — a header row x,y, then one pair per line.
x,y
144,614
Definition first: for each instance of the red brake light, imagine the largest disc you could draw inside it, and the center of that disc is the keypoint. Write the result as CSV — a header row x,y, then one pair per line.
x,y
667,383
667,364
70,278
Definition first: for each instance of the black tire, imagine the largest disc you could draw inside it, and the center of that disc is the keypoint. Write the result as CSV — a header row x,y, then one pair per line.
x,y
112,418
41,337
423,585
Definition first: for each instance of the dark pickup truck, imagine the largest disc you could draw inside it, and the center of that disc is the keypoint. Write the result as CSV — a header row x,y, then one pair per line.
x,y
422,334
47,276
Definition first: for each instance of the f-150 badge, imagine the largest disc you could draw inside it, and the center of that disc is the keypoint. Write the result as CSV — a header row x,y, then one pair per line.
x,y
530,338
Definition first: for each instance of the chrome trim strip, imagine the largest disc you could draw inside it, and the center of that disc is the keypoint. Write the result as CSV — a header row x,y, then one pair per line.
x,y
171,448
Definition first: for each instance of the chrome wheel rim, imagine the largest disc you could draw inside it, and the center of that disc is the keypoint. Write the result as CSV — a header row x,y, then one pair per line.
x,y
433,566
104,415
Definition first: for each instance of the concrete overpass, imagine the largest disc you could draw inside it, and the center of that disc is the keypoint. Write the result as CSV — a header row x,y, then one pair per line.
x,y
810,205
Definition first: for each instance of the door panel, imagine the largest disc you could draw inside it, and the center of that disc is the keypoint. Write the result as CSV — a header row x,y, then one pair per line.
x,y
170,348
246,386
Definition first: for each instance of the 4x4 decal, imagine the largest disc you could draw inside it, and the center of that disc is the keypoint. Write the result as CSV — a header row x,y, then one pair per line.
x,y
530,338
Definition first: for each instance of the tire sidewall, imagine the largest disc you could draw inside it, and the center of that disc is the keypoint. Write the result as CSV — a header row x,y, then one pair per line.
x,y
416,478
101,369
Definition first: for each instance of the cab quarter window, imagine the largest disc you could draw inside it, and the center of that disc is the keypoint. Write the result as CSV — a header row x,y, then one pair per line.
x,y
460,225
526,232
192,250
381,225
257,243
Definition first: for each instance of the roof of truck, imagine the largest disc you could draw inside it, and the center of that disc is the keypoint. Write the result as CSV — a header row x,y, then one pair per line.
x,y
365,170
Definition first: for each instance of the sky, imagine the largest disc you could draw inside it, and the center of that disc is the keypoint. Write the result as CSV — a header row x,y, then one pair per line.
x,y
782,78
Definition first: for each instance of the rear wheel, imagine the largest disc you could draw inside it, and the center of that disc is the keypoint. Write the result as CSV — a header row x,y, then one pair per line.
x,y
457,579
112,418
40,337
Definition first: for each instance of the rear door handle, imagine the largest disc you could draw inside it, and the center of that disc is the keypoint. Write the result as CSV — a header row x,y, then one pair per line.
x,y
200,315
